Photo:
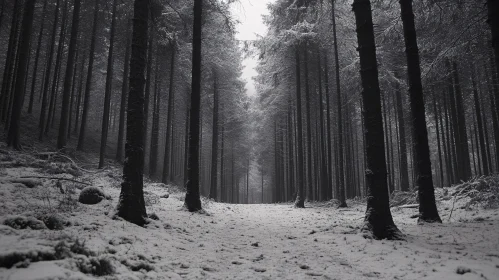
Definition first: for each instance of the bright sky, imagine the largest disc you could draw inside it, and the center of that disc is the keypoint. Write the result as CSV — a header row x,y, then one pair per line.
x,y
249,13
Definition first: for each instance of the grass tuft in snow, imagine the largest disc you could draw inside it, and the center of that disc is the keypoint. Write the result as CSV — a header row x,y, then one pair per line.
x,y
98,266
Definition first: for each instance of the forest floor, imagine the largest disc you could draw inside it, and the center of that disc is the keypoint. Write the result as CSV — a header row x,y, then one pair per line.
x,y
273,241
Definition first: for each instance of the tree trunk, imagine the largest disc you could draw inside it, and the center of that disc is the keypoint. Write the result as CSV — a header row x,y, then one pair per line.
x,y
466,167
109,89
404,173
78,99
171,101
291,169
124,92
438,132
214,137
391,159
493,21
300,196
88,86
328,132
186,144
261,171
340,188
378,220
66,95
247,181
325,184
452,166
2,8
153,155
192,199
37,56
13,136
387,141
427,208
478,113
475,152
148,87
57,73
10,62
131,205
72,101
309,180
222,168
47,72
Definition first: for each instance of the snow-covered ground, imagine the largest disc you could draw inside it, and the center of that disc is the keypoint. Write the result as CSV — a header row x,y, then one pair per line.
x,y
232,241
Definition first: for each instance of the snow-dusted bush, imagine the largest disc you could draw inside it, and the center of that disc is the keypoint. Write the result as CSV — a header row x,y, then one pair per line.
x,y
91,195
22,222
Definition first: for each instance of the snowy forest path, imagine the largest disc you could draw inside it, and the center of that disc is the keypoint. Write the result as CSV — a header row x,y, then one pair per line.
x,y
277,241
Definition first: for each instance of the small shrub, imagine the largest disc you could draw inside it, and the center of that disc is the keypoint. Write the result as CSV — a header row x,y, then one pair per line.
x,y
98,266
62,250
137,265
91,195
14,258
53,221
22,222
79,247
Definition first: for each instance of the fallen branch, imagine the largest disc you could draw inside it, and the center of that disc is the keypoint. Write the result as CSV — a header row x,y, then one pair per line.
x,y
56,178
59,154
409,206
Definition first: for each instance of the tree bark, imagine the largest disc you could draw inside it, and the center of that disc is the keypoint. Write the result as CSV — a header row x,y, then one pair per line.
x,y
300,196
482,148
493,21
2,9
131,205
325,184
37,56
192,199
88,86
72,100
186,144
13,136
10,62
466,164
309,180
427,207
124,91
78,99
47,72
452,165
223,193
404,173
214,137
378,220
171,100
291,169
57,73
66,95
109,89
153,155
340,188
148,87
438,132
